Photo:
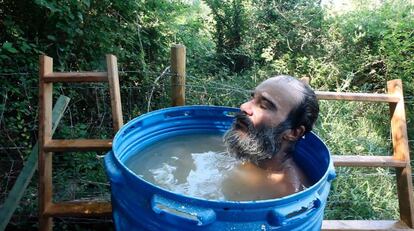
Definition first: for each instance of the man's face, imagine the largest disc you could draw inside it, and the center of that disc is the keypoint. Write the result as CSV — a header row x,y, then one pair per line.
x,y
258,130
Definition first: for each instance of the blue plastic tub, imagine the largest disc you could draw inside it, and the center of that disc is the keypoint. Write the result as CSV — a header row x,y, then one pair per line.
x,y
140,205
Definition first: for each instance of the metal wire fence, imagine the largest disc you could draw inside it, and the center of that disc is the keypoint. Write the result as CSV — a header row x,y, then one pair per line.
x,y
89,116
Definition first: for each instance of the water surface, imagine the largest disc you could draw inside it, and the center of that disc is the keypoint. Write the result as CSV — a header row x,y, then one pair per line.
x,y
194,165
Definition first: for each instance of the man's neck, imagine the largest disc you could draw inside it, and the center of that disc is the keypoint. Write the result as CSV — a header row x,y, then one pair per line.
x,y
277,162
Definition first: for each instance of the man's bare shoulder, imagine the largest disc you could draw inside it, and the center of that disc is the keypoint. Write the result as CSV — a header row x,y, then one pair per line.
x,y
254,181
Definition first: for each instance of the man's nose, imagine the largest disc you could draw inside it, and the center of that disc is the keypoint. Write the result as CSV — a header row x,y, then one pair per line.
x,y
247,108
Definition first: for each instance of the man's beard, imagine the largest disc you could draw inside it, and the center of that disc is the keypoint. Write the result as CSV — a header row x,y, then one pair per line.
x,y
255,144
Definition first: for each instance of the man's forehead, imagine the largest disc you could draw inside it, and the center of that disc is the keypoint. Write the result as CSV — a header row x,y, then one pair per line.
x,y
282,89
283,81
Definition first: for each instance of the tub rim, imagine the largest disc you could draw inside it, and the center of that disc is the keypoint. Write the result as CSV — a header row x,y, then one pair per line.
x,y
310,191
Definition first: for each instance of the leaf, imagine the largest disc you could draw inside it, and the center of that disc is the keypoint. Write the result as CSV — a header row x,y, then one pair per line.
x,y
71,16
87,3
80,16
9,47
49,5
25,47
51,37
79,31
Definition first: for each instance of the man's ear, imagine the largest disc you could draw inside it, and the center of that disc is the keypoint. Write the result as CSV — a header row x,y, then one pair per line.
x,y
305,80
295,133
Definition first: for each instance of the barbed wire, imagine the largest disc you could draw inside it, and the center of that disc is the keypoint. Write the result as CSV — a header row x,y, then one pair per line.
x,y
221,85
194,83
83,220
211,84
16,73
164,73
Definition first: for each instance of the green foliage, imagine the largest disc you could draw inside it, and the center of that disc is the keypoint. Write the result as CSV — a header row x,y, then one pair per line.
x,y
248,32
232,45
230,28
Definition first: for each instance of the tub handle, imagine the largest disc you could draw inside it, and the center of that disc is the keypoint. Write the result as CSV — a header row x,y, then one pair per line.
x,y
112,170
181,213
278,218
331,174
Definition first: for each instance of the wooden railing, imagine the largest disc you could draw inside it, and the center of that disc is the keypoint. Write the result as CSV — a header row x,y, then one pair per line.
x,y
400,160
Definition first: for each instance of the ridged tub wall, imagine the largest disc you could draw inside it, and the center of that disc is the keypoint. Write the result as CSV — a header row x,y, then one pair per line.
x,y
140,205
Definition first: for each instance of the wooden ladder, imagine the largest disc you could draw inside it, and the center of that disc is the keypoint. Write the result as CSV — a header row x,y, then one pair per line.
x,y
399,160
47,145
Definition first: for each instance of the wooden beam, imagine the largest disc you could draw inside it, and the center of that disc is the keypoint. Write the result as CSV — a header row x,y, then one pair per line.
x,y
401,152
81,209
344,225
45,134
367,97
45,99
19,187
78,145
71,77
367,161
178,72
114,91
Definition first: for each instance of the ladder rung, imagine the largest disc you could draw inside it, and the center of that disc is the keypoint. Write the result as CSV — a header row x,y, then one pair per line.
x,y
364,225
78,145
367,161
76,77
370,97
83,209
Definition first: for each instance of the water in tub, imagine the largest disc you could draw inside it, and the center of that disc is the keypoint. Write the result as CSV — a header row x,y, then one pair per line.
x,y
196,165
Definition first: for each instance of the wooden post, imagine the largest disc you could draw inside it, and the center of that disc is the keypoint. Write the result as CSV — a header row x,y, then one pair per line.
x,y
19,187
401,152
45,135
178,74
114,90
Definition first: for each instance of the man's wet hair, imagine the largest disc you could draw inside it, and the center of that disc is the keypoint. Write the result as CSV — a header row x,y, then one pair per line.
x,y
307,111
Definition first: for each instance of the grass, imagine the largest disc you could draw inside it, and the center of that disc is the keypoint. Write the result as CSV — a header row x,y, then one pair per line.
x,y
359,128
360,194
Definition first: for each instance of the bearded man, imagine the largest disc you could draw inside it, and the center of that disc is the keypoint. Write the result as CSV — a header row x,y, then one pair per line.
x,y
281,110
